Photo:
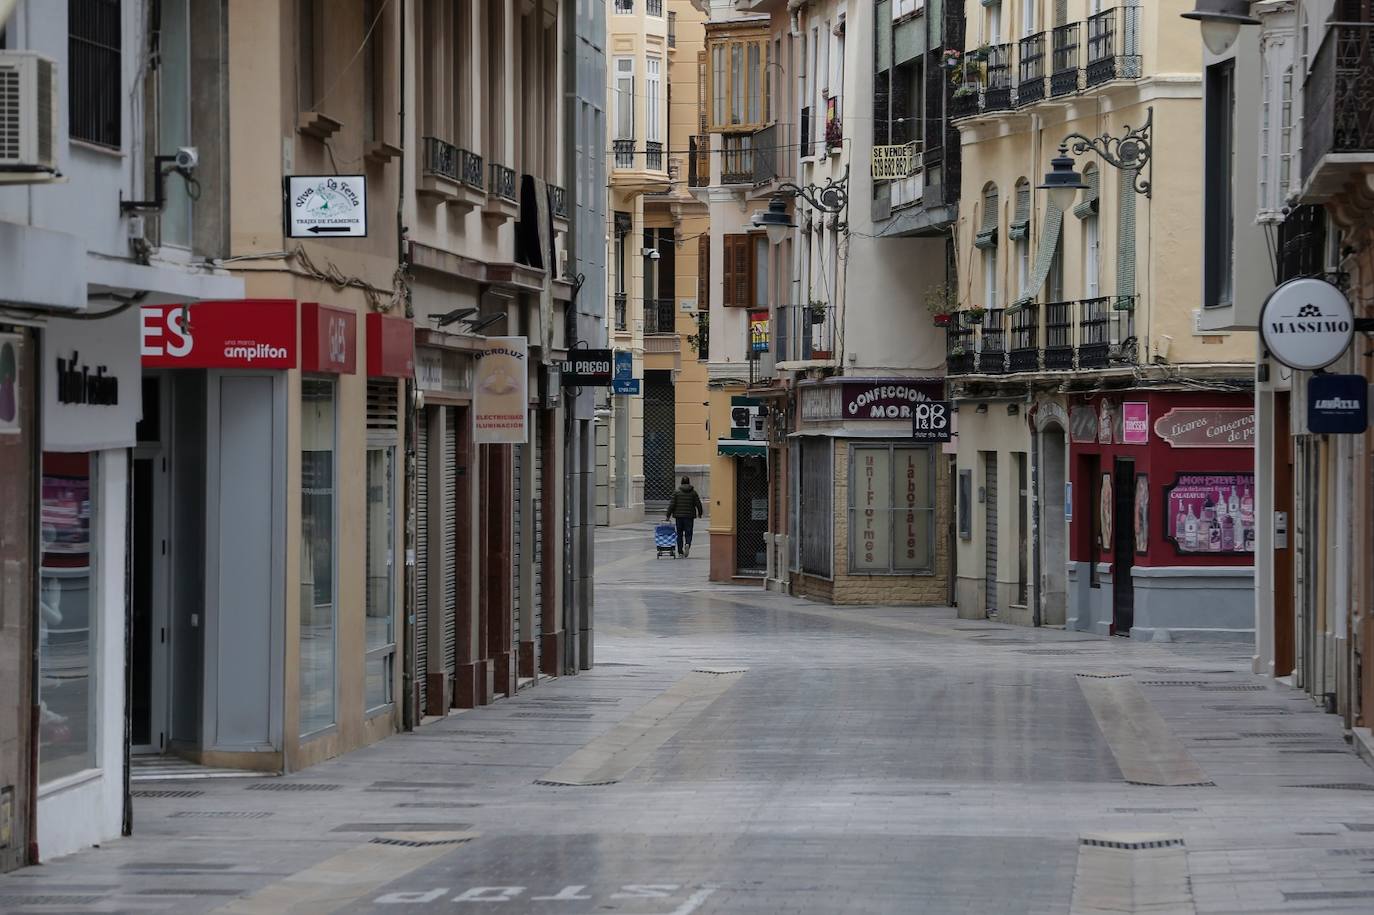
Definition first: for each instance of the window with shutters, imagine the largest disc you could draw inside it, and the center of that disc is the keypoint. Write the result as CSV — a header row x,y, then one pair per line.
x,y
653,88
624,98
738,265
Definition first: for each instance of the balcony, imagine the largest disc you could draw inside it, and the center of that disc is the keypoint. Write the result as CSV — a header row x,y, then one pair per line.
x,y
558,202
501,205
1030,87
653,155
1338,96
698,161
451,174
966,102
653,7
622,308
672,31
997,96
737,159
502,182
804,333
1085,335
660,317
1066,59
624,153
1113,46
624,7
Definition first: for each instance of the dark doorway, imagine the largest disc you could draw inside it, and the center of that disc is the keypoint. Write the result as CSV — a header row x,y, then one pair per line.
x,y
751,515
1283,552
1123,548
141,666
660,439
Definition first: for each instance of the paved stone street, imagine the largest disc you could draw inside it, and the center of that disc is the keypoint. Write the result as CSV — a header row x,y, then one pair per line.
x,y
735,751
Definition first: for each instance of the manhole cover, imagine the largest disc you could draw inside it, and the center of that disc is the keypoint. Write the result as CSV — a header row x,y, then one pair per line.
x,y
167,793
221,814
293,786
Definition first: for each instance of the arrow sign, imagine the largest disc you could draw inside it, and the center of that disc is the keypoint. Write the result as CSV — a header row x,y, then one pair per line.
x,y
318,205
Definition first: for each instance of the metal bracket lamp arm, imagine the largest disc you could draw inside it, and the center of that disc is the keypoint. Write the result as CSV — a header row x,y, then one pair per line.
x,y
1132,151
831,197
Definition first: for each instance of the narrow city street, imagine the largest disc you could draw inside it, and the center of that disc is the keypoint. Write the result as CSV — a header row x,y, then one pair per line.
x,y
737,751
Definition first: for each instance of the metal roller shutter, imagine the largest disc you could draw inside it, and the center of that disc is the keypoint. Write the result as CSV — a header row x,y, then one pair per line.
x,y
538,540
450,509
422,558
517,534
990,537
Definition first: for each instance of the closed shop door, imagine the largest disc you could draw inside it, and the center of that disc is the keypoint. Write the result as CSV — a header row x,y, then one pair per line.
x,y
517,533
422,558
990,527
751,515
450,622
660,439
539,531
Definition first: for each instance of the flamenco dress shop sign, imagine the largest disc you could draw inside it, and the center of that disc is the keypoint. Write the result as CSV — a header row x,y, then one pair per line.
x,y
1202,427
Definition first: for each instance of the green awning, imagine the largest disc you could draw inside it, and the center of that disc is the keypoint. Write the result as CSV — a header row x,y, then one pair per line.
x,y
734,448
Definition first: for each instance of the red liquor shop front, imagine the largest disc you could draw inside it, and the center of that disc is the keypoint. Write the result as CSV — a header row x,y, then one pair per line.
x,y
1161,514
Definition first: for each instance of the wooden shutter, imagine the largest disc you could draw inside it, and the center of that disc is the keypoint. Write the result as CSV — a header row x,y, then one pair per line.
x,y
748,250
703,272
728,273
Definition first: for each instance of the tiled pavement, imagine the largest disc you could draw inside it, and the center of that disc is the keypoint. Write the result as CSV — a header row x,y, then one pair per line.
x,y
868,760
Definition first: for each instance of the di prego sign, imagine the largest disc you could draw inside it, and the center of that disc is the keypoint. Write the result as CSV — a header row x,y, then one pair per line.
x,y
588,368
1307,324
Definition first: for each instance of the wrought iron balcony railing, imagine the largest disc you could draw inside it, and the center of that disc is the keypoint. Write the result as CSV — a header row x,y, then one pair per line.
x,y
1030,88
804,332
624,153
653,155
624,7
558,201
654,7
737,159
1066,59
622,309
1113,45
502,182
966,101
454,163
659,317
997,96
1338,97
1085,335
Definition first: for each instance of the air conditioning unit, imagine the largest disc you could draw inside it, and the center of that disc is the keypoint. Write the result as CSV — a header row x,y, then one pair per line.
x,y
747,423
28,112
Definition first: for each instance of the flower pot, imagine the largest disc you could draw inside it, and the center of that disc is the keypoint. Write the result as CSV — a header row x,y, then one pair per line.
x,y
974,319
942,320
820,354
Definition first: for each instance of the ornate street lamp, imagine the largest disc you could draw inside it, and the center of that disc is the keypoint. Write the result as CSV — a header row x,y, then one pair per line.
x,y
1130,152
831,197
1221,21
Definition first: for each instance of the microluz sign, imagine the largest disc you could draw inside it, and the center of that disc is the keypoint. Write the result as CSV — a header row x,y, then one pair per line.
x,y
1307,324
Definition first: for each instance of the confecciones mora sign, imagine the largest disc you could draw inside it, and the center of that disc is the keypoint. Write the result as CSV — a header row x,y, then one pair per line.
x,y
82,384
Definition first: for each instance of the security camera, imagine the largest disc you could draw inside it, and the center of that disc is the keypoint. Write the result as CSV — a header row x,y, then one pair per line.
x,y
188,157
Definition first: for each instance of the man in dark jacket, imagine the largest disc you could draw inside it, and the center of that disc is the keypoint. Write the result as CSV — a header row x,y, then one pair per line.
x,y
685,507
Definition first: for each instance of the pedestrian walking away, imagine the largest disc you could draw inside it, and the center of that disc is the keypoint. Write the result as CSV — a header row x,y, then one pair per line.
x,y
684,508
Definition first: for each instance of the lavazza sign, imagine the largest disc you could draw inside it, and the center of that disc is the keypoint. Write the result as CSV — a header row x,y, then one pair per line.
x,y
1307,324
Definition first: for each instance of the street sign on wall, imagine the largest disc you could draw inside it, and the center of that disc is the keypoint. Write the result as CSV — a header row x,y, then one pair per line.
x,y
325,206
588,368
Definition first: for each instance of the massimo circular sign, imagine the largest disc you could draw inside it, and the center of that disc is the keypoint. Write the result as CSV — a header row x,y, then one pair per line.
x,y
1307,324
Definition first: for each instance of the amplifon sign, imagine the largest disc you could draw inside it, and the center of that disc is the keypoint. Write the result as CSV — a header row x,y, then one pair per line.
x,y
238,334
1307,324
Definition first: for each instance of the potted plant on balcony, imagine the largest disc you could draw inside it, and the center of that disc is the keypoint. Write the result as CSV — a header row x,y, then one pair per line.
x,y
816,310
834,137
965,90
956,350
975,314
980,53
942,300
953,59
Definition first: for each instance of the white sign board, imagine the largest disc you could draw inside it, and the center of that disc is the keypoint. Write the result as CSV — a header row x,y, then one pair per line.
x,y
1307,324
324,206
92,383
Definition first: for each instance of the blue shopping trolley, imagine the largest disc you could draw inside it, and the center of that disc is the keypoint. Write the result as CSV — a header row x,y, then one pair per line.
x,y
665,540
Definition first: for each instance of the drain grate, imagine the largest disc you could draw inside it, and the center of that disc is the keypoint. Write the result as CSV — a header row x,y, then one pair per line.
x,y
576,700
186,892
1315,751
1327,895
1104,676
1235,688
221,814
1350,852
48,900
1213,738
720,671
1154,810
555,716
1338,786
440,805
167,793
417,843
390,786
1049,651
1251,709
553,784
293,786
1285,735
1132,846
1173,682
173,867
1184,785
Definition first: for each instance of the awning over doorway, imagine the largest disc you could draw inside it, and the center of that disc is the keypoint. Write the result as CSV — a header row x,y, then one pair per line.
x,y
728,447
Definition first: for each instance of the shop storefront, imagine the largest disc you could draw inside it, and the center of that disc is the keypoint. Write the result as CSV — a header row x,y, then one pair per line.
x,y
19,437
1162,517
90,383
870,503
